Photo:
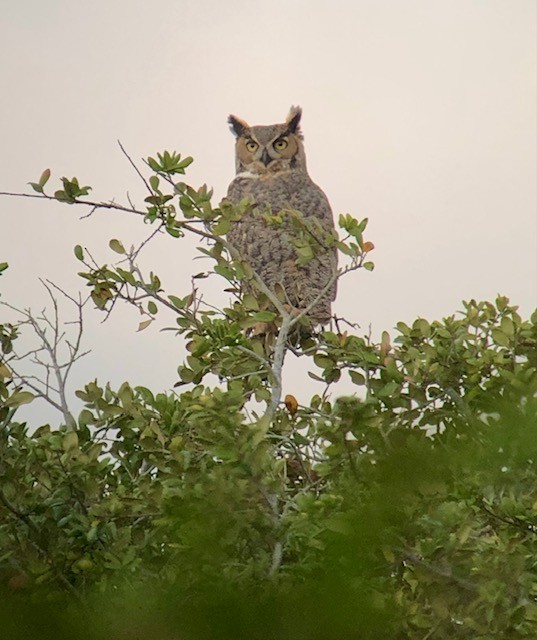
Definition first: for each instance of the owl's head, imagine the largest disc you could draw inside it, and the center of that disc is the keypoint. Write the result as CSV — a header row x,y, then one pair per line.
x,y
269,149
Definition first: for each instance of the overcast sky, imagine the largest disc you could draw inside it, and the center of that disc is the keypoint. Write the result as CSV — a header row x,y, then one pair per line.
x,y
419,114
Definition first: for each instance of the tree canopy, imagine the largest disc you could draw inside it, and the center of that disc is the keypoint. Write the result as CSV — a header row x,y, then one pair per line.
x,y
223,508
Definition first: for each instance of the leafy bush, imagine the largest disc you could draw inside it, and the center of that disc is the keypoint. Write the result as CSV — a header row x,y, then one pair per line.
x,y
224,510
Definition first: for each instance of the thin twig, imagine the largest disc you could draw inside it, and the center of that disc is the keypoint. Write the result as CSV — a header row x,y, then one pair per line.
x,y
140,174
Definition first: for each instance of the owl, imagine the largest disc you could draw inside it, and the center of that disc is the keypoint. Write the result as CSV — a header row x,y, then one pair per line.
x,y
271,172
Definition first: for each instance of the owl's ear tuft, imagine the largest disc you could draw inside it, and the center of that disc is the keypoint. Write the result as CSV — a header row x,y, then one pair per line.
x,y
293,119
237,126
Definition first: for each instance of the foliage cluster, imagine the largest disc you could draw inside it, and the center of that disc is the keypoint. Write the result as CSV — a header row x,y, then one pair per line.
x,y
226,509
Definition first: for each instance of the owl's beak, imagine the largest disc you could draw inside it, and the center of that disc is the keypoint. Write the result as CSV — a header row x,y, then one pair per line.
x,y
265,158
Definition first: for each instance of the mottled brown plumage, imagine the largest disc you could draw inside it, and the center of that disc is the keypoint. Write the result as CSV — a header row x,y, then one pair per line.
x,y
271,171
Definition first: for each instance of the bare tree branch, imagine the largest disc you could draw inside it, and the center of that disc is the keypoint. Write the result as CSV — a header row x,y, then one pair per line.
x,y
56,365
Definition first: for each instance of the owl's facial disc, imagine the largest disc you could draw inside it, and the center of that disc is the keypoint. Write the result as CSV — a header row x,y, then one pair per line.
x,y
268,150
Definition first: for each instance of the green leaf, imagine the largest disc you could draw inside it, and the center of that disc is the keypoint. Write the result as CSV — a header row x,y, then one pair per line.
x,y
178,302
249,302
499,337
185,162
154,182
357,377
3,266
222,227
116,246
36,187
224,271
127,276
507,326
174,232
186,374
264,316
79,253
403,328
387,390
305,252
368,266
362,225
18,398
91,535
86,417
323,361
345,249
70,441
153,164
62,196
44,178
423,327
152,307
299,439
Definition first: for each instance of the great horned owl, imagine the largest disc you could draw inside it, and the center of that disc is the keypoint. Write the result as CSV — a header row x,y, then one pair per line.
x,y
271,171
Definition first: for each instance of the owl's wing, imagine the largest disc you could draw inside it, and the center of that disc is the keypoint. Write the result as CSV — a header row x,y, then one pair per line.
x,y
313,203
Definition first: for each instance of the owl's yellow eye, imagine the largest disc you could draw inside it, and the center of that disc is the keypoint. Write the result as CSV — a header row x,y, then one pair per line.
x,y
280,144
251,146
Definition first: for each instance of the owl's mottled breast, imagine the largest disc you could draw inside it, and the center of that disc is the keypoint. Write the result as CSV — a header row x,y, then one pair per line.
x,y
286,190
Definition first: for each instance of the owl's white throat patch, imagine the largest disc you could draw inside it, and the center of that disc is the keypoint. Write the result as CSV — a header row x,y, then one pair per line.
x,y
247,174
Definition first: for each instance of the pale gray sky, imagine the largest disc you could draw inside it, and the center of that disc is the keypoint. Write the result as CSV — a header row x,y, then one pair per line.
x,y
420,115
